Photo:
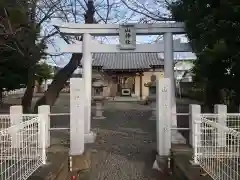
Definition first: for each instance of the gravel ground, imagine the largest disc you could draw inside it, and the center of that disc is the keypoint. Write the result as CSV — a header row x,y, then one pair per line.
x,y
125,141
124,148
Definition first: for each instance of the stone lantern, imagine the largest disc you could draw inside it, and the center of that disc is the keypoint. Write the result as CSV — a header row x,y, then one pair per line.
x,y
152,96
98,98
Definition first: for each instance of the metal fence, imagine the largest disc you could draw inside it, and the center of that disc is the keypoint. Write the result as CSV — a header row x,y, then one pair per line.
x,y
63,120
233,121
22,147
217,147
5,121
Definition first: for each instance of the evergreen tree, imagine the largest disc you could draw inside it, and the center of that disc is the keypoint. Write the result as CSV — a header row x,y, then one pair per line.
x,y
213,28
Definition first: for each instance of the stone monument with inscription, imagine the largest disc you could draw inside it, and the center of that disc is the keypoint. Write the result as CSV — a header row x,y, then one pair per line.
x,y
163,116
77,94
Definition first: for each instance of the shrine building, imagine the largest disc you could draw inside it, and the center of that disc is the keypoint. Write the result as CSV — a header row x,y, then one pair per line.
x,y
125,74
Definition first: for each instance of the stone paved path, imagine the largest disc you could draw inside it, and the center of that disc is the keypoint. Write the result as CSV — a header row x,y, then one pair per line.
x,y
124,145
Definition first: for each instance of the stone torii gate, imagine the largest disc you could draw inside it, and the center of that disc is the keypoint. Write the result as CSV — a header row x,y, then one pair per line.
x,y
127,34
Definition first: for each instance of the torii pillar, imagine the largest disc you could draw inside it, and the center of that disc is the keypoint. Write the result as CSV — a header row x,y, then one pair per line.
x,y
169,71
87,76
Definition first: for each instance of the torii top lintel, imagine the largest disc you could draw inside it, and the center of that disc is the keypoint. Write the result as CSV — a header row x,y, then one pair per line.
x,y
113,29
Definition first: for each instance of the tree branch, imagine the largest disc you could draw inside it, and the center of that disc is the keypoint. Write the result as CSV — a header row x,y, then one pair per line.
x,y
10,47
11,31
146,14
48,36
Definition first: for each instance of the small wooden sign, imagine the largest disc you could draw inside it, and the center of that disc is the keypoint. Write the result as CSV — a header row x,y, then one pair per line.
x,y
127,36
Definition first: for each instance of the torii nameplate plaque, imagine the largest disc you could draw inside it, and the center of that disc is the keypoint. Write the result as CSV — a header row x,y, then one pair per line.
x,y
127,36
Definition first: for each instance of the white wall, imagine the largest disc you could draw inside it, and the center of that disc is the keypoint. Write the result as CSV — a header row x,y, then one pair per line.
x,y
145,79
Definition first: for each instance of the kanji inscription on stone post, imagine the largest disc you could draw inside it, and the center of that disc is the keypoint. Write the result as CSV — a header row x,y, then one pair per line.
x,y
164,114
76,116
127,36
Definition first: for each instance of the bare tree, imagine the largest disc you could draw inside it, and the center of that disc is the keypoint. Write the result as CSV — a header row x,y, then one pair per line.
x,y
42,14
45,12
20,28
105,11
149,11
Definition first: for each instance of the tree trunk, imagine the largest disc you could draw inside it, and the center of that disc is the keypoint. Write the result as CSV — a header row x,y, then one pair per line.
x,y
1,97
28,95
50,96
235,100
212,96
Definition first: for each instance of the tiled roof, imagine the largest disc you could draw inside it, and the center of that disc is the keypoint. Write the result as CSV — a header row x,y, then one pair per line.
x,y
120,60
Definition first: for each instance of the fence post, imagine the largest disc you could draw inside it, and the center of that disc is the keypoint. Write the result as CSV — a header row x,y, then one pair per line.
x,y
16,118
221,111
77,94
163,115
44,110
42,129
194,119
